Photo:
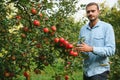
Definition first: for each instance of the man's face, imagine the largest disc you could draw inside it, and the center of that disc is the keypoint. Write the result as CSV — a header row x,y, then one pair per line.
x,y
92,12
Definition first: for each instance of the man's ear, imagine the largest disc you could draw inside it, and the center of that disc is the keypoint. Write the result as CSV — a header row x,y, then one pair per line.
x,y
99,11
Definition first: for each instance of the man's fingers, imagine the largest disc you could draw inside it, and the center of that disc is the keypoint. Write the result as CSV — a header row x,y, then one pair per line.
x,y
78,45
83,43
79,49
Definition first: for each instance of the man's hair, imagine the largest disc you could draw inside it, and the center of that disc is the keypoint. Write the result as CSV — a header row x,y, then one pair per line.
x,y
92,3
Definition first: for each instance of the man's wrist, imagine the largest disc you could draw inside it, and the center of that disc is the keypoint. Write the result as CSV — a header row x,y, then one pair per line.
x,y
91,49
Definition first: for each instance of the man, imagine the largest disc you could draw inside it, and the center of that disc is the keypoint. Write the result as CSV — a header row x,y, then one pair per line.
x,y
98,45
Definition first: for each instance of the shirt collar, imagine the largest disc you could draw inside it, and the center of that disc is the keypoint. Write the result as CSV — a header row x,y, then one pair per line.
x,y
97,25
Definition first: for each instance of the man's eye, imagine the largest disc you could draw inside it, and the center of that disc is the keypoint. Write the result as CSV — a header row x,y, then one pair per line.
x,y
91,11
88,11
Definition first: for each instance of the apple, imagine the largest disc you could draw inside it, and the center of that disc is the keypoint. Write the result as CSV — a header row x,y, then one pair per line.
x,y
26,74
68,63
72,53
23,35
65,43
46,30
36,23
61,40
18,17
37,71
66,77
38,45
26,29
75,54
56,40
6,74
13,57
69,46
33,11
53,28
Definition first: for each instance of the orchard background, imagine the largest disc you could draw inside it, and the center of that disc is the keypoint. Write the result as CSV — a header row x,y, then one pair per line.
x,y
37,38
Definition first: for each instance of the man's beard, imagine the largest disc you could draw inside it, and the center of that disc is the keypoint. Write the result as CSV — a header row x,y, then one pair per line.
x,y
92,19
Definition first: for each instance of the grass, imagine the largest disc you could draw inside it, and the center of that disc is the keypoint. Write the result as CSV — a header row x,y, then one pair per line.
x,y
48,74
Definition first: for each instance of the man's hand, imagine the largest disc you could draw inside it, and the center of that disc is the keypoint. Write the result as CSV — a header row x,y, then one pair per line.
x,y
84,48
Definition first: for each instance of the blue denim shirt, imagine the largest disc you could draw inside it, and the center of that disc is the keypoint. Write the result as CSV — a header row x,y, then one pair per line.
x,y
101,38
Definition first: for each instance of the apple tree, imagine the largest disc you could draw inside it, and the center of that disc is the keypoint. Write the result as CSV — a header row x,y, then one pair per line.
x,y
34,34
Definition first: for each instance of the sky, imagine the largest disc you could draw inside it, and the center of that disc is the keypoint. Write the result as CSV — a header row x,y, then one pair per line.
x,y
109,2
81,13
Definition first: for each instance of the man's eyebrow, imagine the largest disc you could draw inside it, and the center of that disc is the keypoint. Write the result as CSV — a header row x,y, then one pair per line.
x,y
90,11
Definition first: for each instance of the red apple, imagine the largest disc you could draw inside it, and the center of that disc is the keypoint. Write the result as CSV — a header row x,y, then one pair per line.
x,y
18,17
53,28
26,74
56,40
69,46
72,53
65,43
68,63
46,30
36,23
33,11
61,40
66,77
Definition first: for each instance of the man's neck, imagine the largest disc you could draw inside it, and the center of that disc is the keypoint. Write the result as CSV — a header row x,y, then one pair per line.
x,y
93,23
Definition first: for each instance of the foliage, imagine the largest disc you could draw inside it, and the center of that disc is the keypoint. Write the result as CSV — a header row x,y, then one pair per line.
x,y
28,30
112,15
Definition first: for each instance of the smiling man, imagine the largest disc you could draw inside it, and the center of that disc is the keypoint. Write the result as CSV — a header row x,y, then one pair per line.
x,y
99,44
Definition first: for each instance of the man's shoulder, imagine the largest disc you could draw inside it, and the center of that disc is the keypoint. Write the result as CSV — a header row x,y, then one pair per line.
x,y
104,23
84,27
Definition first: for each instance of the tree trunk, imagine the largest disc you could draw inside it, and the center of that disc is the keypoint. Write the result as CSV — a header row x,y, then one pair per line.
x,y
27,78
